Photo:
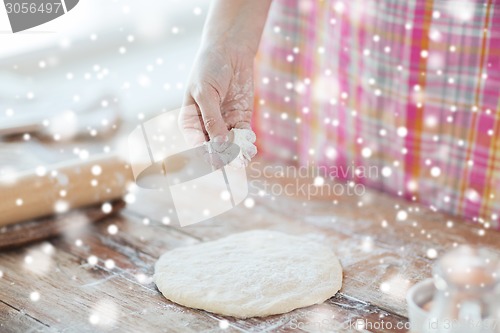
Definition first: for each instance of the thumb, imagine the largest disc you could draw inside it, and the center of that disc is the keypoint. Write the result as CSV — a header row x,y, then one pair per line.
x,y
208,102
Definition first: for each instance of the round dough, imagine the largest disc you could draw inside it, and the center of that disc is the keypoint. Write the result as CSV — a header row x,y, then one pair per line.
x,y
250,274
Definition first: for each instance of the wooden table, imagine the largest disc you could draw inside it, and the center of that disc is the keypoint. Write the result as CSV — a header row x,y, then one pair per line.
x,y
54,286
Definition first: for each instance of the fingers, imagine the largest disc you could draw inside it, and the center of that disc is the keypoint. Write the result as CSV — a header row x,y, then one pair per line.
x,y
249,152
250,136
208,101
191,123
245,139
238,118
201,120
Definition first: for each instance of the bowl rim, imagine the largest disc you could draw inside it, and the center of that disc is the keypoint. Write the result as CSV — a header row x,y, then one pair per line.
x,y
427,284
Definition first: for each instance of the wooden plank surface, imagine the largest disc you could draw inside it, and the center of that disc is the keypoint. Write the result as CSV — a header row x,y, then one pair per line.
x,y
98,277
16,320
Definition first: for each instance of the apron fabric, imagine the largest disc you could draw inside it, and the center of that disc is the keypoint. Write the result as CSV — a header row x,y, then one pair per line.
x,y
408,87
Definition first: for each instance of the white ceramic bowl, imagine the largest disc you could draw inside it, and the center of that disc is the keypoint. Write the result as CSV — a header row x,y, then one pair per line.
x,y
419,295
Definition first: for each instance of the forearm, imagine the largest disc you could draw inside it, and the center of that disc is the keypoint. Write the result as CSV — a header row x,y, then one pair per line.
x,y
238,22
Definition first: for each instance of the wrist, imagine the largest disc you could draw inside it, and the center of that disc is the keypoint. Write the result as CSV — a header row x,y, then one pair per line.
x,y
229,41
236,24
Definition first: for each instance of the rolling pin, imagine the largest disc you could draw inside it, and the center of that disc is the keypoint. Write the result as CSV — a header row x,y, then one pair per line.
x,y
22,233
62,187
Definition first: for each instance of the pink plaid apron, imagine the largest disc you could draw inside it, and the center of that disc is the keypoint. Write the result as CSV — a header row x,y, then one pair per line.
x,y
409,86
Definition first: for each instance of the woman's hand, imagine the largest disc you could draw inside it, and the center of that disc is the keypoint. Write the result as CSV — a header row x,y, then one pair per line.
x,y
219,94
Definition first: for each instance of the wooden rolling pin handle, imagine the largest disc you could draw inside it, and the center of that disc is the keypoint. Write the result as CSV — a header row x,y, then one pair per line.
x,y
23,233
62,187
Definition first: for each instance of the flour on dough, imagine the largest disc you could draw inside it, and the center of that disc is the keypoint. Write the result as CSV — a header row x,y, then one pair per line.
x,y
250,274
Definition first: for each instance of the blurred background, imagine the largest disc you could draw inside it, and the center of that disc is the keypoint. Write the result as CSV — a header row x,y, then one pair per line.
x,y
131,56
